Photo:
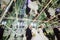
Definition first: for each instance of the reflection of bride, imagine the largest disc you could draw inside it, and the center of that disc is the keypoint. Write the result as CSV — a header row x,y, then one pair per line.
x,y
41,33
33,6
35,35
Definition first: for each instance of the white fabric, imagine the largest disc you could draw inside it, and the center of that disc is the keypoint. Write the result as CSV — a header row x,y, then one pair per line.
x,y
51,11
33,5
42,34
37,36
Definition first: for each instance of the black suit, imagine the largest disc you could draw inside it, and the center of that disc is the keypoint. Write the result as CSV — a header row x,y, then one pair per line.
x,y
57,33
27,8
28,34
1,33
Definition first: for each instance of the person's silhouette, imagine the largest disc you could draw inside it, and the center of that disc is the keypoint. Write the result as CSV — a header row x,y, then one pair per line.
x,y
28,33
1,32
56,31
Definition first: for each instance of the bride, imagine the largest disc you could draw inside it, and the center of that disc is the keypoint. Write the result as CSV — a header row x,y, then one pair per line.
x,y
38,36
33,5
35,35
41,33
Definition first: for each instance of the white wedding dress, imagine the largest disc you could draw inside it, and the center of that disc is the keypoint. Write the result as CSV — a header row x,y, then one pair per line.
x,y
42,34
33,5
35,34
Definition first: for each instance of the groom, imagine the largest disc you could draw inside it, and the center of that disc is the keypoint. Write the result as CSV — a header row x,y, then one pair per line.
x,y
29,33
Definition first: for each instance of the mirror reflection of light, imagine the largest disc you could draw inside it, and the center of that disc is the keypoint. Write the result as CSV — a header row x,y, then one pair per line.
x,y
33,24
4,22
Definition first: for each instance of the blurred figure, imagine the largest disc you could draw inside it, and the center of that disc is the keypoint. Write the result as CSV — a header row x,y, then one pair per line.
x,y
41,33
57,33
1,32
57,12
32,7
27,8
29,33
35,35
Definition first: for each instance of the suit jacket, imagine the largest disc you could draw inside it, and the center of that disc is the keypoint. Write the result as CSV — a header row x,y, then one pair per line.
x,y
1,33
28,33
57,33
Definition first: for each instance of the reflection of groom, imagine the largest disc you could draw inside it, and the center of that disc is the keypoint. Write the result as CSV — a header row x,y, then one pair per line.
x,y
29,33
